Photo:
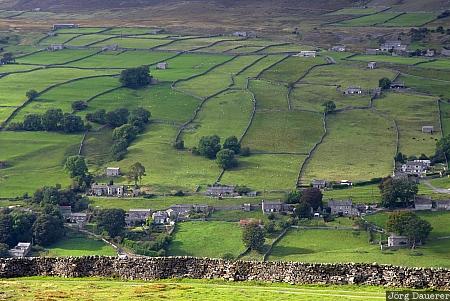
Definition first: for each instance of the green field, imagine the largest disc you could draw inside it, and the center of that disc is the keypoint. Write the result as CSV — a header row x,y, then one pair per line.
x,y
292,131
286,48
411,113
78,245
36,159
84,40
26,289
360,145
224,115
255,69
389,59
59,38
369,20
291,69
269,96
55,57
265,172
189,44
133,43
438,88
11,68
437,64
369,194
206,239
411,20
81,30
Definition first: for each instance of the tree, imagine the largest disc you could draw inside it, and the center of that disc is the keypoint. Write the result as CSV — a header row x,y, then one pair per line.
x,y
125,132
117,117
6,229
303,210
209,146
293,197
225,159
32,122
98,116
76,166
52,119
72,123
79,105
31,94
245,151
443,145
4,250
139,117
137,171
232,143
135,77
22,225
48,229
7,58
384,83
253,236
111,221
409,224
400,158
329,107
397,193
313,197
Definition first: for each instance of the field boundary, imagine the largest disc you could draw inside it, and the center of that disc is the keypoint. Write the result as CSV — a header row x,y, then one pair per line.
x,y
274,243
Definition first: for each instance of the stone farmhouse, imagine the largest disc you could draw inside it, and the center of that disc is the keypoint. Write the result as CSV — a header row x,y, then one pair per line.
x,y
398,85
162,66
245,34
416,168
272,207
112,171
160,218
394,46
107,190
306,53
398,241
20,250
55,47
372,65
78,218
421,203
428,129
338,48
344,208
64,26
221,191
352,90
181,212
430,53
319,184
137,216
112,47
443,205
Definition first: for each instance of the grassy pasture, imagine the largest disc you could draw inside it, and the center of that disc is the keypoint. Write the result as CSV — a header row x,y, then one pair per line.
x,y
55,57
186,65
411,20
133,43
84,40
254,70
434,87
411,112
58,38
128,30
389,59
311,97
445,115
97,149
163,102
79,245
81,30
359,194
11,68
167,167
246,49
206,239
344,76
224,115
63,96
437,64
291,69
230,45
217,79
265,172
189,44
38,80
347,246
127,59
36,159
277,131
8,13
269,96
5,112
360,145
369,20
26,289
286,48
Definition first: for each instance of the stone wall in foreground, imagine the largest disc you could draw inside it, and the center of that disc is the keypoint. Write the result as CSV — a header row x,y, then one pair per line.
x,y
203,268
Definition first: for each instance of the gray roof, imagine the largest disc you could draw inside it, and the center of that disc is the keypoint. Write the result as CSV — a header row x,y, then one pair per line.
x,y
423,201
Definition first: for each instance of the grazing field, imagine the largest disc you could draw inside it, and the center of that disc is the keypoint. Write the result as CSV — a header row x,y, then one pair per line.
x,y
36,159
123,60
133,43
269,96
186,65
333,246
369,194
255,69
438,88
389,59
190,44
5,112
224,115
437,64
163,102
85,40
265,172
55,57
217,79
279,131
445,115
97,149
411,113
25,289
63,96
81,30
411,20
360,145
59,38
207,239
78,245
129,30
12,68
369,20
168,168
38,80
291,69
286,48
312,97
343,74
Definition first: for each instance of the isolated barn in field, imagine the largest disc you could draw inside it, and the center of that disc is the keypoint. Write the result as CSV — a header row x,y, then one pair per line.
x,y
428,129
372,65
353,90
162,66
112,171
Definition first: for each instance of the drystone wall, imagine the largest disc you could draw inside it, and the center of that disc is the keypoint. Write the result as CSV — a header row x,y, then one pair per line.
x,y
144,268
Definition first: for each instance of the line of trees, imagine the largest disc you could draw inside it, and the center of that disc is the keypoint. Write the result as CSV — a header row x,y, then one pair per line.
x,y
53,120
